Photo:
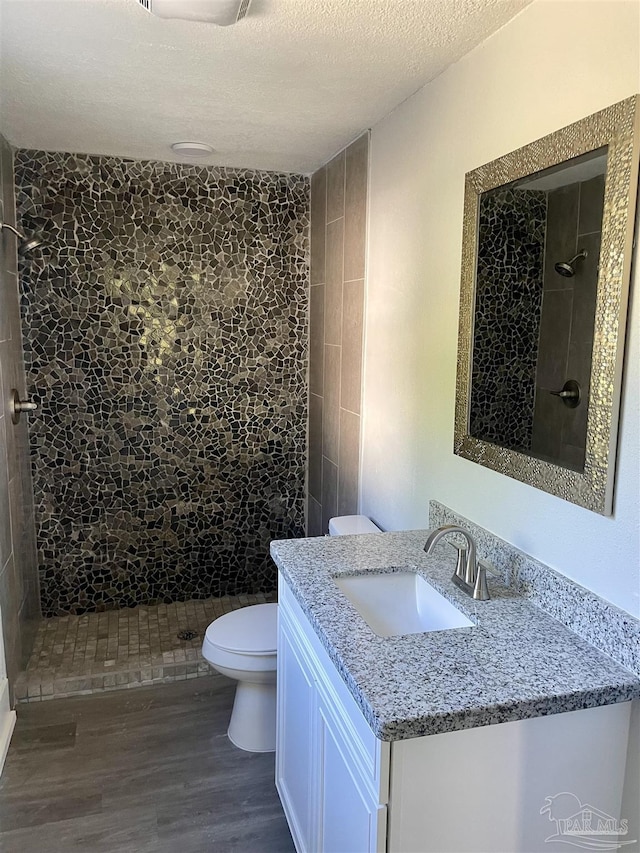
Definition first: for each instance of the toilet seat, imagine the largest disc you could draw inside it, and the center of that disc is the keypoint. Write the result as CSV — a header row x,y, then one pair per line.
x,y
248,631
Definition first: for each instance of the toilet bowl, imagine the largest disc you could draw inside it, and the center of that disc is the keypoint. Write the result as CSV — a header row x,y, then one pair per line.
x,y
242,645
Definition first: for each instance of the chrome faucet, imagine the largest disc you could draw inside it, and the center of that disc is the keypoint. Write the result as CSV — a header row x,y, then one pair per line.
x,y
469,575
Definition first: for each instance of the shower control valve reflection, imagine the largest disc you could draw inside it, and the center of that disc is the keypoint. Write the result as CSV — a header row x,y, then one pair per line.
x,y
570,393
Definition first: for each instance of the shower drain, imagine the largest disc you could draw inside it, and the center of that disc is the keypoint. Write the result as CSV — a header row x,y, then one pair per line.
x,y
187,635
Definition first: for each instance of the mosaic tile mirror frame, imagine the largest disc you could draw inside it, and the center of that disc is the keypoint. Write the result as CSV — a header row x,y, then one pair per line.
x,y
585,478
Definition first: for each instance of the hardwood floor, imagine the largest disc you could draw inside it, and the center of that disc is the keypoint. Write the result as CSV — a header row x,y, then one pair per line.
x,y
149,770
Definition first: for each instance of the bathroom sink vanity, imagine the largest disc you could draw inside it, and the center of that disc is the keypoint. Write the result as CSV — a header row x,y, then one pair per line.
x,y
454,739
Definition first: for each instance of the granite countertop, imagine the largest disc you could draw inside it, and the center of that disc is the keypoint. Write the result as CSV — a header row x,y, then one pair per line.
x,y
516,662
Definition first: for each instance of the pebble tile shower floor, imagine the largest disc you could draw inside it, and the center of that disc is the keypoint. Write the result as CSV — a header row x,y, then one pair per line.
x,y
118,649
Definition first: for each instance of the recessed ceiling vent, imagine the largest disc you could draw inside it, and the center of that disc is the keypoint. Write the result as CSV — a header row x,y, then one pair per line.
x,y
220,12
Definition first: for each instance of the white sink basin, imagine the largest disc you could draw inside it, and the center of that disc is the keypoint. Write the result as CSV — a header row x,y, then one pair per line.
x,y
397,603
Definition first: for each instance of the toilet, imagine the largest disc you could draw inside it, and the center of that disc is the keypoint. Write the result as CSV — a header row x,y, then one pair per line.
x,y
346,525
242,645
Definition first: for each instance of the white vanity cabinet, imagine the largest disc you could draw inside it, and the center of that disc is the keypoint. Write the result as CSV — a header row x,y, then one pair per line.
x,y
481,789
331,771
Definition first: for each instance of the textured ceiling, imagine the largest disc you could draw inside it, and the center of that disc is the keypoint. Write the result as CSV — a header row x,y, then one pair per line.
x,y
284,89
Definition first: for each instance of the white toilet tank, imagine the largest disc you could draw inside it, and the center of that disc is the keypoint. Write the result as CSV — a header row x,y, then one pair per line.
x,y
344,525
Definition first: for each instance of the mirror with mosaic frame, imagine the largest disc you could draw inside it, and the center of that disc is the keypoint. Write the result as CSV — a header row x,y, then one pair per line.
x,y
546,258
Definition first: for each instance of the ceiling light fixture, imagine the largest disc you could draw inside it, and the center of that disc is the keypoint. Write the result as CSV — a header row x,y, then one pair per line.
x,y
220,12
192,149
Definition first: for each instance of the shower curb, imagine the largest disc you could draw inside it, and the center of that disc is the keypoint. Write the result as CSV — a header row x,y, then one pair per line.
x,y
121,649
34,689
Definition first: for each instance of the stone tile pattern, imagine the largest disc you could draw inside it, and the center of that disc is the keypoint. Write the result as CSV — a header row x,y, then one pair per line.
x,y
517,662
507,315
118,649
338,246
19,598
610,629
166,324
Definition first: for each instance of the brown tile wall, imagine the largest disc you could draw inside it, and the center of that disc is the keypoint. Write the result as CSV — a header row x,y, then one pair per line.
x,y
19,599
338,243
574,223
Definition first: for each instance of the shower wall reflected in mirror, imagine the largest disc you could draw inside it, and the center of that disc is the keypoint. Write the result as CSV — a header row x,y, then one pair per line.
x,y
536,286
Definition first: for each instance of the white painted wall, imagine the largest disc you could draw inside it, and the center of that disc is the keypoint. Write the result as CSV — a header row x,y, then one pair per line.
x,y
555,63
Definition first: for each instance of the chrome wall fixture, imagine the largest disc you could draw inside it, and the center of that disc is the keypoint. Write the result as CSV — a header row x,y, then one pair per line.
x,y
17,406
26,243
11,228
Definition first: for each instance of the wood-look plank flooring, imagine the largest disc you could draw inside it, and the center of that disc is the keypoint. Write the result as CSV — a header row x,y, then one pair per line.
x,y
149,770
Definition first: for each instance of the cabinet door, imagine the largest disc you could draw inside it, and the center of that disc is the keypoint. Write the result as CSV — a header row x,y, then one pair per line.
x,y
295,742
351,820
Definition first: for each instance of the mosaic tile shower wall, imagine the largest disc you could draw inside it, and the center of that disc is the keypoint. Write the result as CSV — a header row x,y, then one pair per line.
x,y
166,340
505,343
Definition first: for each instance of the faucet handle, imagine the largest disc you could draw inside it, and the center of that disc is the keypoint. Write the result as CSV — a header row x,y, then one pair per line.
x,y
490,568
463,556
480,589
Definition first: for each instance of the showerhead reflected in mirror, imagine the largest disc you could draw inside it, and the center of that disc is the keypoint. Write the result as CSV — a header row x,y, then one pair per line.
x,y
567,268
547,243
